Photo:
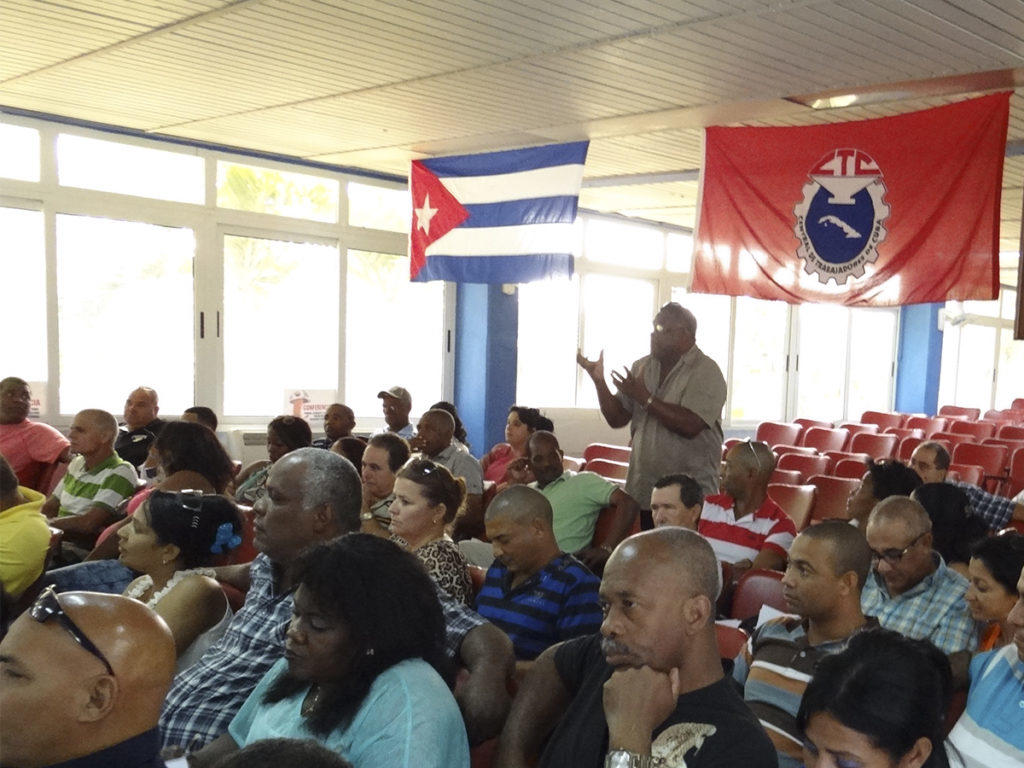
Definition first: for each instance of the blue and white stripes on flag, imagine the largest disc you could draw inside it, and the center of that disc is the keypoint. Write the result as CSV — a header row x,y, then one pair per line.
x,y
498,217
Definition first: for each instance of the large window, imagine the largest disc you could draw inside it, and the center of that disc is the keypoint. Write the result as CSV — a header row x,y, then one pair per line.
x,y
23,350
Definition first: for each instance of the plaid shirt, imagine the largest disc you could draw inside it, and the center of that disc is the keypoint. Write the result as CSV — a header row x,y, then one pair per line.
x,y
994,511
205,697
933,609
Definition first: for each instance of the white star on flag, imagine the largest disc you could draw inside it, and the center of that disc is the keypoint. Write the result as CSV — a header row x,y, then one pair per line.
x,y
425,214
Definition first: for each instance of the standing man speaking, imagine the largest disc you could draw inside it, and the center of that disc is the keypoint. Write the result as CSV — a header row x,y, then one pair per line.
x,y
672,400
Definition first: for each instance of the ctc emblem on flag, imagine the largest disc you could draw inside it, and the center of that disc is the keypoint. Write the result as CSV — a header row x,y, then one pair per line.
x,y
840,221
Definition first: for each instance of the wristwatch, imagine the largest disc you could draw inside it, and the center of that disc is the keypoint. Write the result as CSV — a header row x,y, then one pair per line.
x,y
623,758
649,401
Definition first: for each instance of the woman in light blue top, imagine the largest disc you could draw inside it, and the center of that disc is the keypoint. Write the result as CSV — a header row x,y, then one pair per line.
x,y
364,670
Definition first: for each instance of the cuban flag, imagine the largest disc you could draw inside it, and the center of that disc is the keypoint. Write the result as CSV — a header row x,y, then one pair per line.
x,y
497,217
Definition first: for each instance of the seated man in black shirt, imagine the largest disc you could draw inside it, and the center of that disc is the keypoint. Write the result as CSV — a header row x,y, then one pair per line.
x,y
141,426
649,690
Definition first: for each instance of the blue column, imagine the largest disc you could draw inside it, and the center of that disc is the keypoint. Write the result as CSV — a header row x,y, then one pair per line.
x,y
919,359
486,331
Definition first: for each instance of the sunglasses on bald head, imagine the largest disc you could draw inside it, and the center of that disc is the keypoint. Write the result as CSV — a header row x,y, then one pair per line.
x,y
47,607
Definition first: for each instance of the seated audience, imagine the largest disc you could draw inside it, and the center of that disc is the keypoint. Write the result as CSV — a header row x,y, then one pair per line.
x,y
880,702
459,436
351,448
522,422
435,441
955,529
989,734
281,753
930,460
284,434
910,589
742,523
141,426
33,449
312,496
577,498
200,414
97,481
172,540
427,498
339,421
396,404
24,535
385,454
881,480
651,684
676,500
535,592
84,676
364,669
995,565
828,564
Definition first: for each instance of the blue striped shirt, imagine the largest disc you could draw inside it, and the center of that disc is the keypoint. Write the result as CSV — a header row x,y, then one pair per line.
x,y
554,604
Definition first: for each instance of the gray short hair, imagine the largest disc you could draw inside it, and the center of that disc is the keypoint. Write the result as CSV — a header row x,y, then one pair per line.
x,y
331,479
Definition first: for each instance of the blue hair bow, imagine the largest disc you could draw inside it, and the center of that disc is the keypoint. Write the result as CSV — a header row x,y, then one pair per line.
x,y
226,539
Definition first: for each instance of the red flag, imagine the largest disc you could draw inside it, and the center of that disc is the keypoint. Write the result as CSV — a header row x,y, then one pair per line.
x,y
896,210
435,212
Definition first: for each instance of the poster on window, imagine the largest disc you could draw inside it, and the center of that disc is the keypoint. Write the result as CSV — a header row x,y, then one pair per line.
x,y
310,404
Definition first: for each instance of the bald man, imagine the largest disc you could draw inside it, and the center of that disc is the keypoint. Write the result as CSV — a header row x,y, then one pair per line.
x,y
84,676
435,441
97,481
141,425
536,593
651,684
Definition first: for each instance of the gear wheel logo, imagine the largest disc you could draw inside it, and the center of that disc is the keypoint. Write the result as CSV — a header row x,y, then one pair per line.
x,y
841,219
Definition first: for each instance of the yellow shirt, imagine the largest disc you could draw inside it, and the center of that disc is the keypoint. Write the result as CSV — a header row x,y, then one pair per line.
x,y
24,539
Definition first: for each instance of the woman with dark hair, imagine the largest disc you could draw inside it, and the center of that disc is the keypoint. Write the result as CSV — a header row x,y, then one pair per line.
x,y
460,429
522,422
184,446
364,671
954,528
427,497
284,435
171,540
995,567
880,703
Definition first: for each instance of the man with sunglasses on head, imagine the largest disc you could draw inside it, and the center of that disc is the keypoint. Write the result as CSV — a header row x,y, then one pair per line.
x,y
910,589
744,526
84,676
672,400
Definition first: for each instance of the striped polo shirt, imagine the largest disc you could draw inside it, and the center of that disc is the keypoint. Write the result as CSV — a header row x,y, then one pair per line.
x,y
554,604
990,733
106,485
734,540
774,669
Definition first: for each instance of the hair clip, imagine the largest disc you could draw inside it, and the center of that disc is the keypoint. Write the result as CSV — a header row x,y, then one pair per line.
x,y
226,539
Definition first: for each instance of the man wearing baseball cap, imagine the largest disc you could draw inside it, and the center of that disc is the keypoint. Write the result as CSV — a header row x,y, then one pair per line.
x,y
396,405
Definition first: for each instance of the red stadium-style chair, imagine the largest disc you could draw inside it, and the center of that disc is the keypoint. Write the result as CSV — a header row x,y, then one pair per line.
x,y
927,425
755,588
830,502
876,446
856,428
1015,479
603,526
959,412
777,433
991,458
1017,404
838,456
967,473
782,450
731,640
785,475
572,463
797,501
477,575
951,439
608,469
806,424
907,446
883,419
1010,432
850,468
978,430
902,432
805,465
606,451
823,439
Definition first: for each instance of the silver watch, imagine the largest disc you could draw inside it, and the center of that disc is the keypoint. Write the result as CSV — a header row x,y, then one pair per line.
x,y
623,758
